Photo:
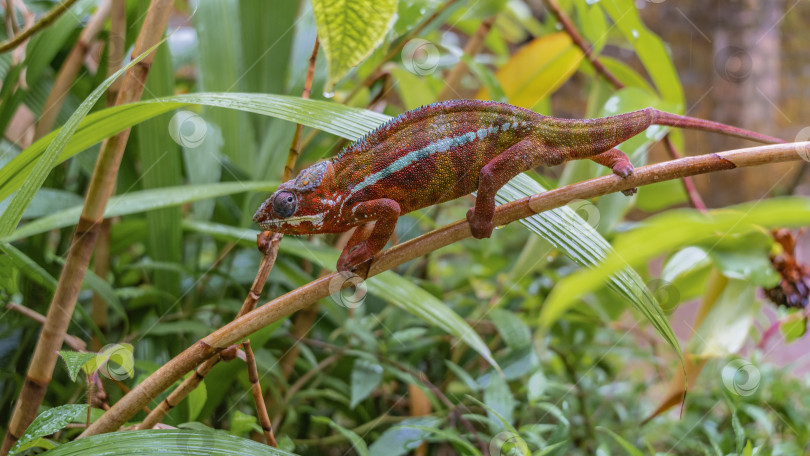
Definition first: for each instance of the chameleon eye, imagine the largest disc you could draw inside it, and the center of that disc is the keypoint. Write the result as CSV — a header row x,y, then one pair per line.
x,y
284,204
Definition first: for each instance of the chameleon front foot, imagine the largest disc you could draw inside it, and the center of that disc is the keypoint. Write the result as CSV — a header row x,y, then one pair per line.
x,y
354,256
480,227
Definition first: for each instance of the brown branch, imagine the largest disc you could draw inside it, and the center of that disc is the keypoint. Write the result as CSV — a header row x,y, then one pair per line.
x,y
268,244
688,184
70,68
72,341
568,26
101,267
102,185
422,245
45,21
472,48
256,389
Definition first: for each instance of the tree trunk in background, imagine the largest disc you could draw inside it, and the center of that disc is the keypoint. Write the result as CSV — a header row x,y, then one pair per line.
x,y
728,54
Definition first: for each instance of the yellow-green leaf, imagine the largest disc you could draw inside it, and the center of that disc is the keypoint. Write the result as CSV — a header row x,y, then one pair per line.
x,y
350,30
538,69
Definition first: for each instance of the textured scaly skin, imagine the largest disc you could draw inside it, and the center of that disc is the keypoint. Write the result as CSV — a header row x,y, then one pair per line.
x,y
441,152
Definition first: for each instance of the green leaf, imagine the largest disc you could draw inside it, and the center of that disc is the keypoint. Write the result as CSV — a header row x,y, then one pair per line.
x,y
344,121
74,361
511,327
220,68
349,30
242,423
358,444
366,377
196,399
628,447
499,400
417,301
401,439
121,357
142,201
579,240
165,442
672,230
649,47
28,266
50,421
161,168
33,181
724,330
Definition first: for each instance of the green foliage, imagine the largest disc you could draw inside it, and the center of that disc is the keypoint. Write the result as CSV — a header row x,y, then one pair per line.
x,y
553,337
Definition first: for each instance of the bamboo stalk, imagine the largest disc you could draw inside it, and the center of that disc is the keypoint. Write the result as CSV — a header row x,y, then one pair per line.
x,y
473,46
45,21
70,68
422,245
256,389
102,184
268,243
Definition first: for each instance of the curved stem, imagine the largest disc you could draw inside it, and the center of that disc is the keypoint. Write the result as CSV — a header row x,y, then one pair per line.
x,y
45,21
388,259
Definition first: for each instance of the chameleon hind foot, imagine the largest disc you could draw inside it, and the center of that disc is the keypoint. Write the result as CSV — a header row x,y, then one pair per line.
x,y
479,227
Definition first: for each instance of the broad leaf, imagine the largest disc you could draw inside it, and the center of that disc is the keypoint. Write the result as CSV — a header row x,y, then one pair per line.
x,y
48,422
350,29
672,230
168,442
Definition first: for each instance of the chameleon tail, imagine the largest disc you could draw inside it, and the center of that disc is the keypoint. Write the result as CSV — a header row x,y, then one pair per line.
x,y
675,120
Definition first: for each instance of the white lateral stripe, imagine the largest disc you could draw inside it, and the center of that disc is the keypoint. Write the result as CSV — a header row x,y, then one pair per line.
x,y
432,148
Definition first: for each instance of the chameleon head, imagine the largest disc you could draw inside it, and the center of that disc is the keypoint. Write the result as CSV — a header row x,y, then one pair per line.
x,y
299,206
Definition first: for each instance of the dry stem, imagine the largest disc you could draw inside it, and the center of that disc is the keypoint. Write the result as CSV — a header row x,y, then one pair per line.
x,y
388,259
268,244
256,389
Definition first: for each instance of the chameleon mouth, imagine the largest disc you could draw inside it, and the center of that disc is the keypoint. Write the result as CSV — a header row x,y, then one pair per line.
x,y
269,225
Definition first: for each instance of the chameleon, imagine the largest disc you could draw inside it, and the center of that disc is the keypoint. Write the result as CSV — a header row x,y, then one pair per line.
x,y
443,151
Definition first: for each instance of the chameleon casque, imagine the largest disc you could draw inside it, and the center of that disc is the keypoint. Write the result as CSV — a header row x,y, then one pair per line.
x,y
441,152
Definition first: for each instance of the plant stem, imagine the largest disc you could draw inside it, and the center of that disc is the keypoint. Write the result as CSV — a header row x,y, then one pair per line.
x,y
295,147
256,389
268,244
102,184
45,21
414,248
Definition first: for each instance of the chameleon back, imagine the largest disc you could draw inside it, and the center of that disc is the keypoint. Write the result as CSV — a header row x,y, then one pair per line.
x,y
432,154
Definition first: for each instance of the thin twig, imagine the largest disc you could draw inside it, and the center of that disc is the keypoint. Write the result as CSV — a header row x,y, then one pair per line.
x,y
268,244
473,46
691,190
295,147
303,296
72,341
101,267
256,389
45,21
302,321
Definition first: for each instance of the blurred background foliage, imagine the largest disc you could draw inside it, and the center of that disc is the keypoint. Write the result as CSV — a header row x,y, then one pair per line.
x,y
421,376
